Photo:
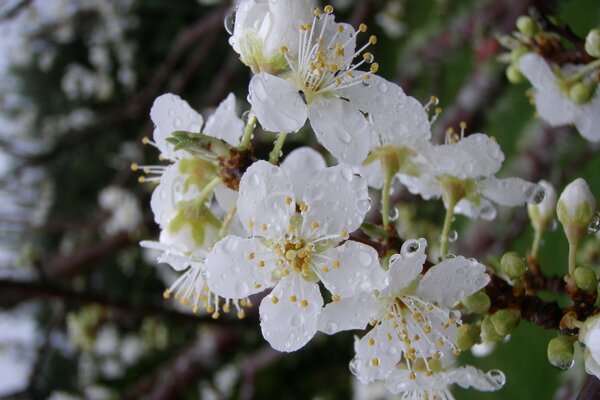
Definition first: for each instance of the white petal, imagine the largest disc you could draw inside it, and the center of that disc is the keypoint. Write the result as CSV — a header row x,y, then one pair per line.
x,y
587,119
386,352
288,325
337,201
341,128
226,198
399,381
266,200
475,156
406,266
372,172
424,185
301,165
168,193
170,113
358,271
233,267
511,192
452,280
484,210
224,123
554,108
351,313
537,71
471,377
277,104
591,366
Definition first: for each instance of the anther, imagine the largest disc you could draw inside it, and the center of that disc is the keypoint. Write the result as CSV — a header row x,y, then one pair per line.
x,y
293,298
304,303
134,166
362,28
374,67
274,299
328,9
373,39
375,362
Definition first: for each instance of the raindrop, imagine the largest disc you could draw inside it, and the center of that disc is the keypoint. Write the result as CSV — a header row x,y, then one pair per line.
x,y
253,180
365,83
554,225
365,259
535,194
452,236
230,22
230,245
383,87
346,174
393,213
394,258
242,289
331,327
594,226
177,122
566,366
296,321
364,205
450,255
410,247
354,366
246,116
497,376
343,135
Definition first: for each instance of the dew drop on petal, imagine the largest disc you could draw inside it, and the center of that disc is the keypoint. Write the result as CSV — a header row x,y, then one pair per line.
x,y
331,327
497,376
410,247
253,180
365,259
343,135
383,87
452,236
242,289
393,213
394,258
554,225
535,194
296,320
450,255
246,116
229,22
594,226
566,366
230,245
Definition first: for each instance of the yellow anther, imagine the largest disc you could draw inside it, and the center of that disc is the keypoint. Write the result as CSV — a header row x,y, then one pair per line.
x,y
226,308
288,200
374,67
241,314
389,337
215,315
373,322
251,256
167,294
161,157
426,329
285,272
366,77
134,166
314,225
317,11
368,56
142,179
293,298
250,224
283,49
304,303
328,9
195,310
371,341
261,263
440,342
335,297
463,125
437,355
375,362
336,264
412,376
362,28
257,285
263,227
185,301
438,110
456,352
340,28
210,309
303,207
290,255
145,140
434,100
373,39
325,269
274,299
344,234
416,338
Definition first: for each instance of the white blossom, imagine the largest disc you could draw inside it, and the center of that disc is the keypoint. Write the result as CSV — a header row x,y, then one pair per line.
x,y
590,337
124,208
554,104
292,251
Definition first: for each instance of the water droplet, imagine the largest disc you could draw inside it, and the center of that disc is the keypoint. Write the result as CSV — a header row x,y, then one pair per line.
x,y
346,174
450,255
497,377
177,122
410,247
394,258
365,259
245,116
354,366
343,135
566,366
383,87
296,320
253,179
452,236
554,225
230,245
364,205
535,194
229,22
594,226
487,212
331,327
393,214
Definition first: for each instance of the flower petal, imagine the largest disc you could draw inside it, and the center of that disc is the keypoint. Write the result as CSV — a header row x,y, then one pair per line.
x,y
372,172
591,366
351,313
452,280
406,266
587,119
170,113
475,156
301,165
233,267
277,104
484,210
350,268
337,202
511,192
266,200
226,198
288,325
341,128
376,356
224,123
471,377
168,193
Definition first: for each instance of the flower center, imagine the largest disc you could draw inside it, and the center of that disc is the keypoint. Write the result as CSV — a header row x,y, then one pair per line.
x,y
296,254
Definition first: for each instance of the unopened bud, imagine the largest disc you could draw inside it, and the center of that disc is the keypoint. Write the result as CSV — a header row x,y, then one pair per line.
x,y
467,336
517,53
560,352
488,332
513,265
477,303
582,92
585,279
592,43
527,25
576,208
542,213
514,74
504,321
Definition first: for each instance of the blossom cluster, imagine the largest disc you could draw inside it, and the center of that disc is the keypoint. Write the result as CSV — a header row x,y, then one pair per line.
x,y
236,226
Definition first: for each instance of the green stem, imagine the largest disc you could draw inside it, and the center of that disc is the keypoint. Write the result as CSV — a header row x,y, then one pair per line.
x,y
385,197
446,228
248,132
573,243
207,191
583,72
535,247
227,221
277,146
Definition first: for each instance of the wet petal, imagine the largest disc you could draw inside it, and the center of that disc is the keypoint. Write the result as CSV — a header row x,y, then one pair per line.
x,y
406,266
471,377
301,165
224,122
511,192
168,193
350,313
484,209
475,156
226,198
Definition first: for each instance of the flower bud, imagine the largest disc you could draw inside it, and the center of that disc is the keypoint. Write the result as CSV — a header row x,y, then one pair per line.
x,y
513,265
560,352
488,331
504,322
467,336
477,303
592,43
514,74
517,53
527,25
582,92
541,214
585,279
576,207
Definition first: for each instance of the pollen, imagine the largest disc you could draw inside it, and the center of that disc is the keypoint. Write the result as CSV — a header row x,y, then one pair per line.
x,y
375,362
288,200
335,297
328,9
373,39
263,227
250,224
293,298
134,166
167,294
412,376
283,49
336,264
304,303
304,208
261,263
374,67
241,314
215,315
325,269
274,299
145,140
257,285
226,308
251,256
371,341
314,225
362,28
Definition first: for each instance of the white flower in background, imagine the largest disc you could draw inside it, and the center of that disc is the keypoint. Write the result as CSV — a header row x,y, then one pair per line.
x,y
590,337
177,204
348,109
437,385
124,208
465,170
541,214
554,104
261,27
293,251
412,316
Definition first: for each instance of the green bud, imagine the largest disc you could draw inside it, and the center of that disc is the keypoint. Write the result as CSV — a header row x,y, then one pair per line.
x,y
592,43
582,92
477,303
560,352
517,53
488,331
513,265
575,209
586,279
514,74
467,336
504,322
527,25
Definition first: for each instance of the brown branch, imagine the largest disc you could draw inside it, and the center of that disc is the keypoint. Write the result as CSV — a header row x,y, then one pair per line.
x,y
252,365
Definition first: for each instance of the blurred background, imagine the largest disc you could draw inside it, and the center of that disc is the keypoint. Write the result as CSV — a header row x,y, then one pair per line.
x,y
81,309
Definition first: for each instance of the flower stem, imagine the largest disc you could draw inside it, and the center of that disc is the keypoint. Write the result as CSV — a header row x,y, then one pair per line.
x,y
583,72
535,247
573,243
385,197
446,228
207,191
248,132
277,146
227,221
